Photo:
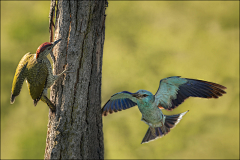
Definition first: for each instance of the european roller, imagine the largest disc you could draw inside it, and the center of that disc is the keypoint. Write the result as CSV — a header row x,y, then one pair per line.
x,y
171,93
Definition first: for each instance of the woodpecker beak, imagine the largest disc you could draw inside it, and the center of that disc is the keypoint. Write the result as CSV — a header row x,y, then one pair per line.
x,y
56,42
136,95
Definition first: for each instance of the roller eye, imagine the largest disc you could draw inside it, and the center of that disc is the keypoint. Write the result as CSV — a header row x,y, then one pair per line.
x,y
144,95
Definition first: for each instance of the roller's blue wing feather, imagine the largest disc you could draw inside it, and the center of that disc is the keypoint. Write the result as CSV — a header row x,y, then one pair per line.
x,y
173,91
119,101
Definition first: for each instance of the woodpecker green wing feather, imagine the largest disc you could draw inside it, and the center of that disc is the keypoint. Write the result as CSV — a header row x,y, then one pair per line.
x,y
20,76
37,79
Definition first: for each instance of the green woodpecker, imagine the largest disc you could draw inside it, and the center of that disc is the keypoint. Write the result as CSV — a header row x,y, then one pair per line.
x,y
37,70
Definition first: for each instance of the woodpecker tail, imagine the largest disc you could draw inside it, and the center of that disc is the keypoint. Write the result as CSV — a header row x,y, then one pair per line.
x,y
49,103
170,122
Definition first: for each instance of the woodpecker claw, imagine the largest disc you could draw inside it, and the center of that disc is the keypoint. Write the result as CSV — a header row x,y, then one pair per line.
x,y
69,69
72,71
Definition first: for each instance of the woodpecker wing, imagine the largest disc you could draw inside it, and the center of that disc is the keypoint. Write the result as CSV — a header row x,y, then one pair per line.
x,y
37,79
20,76
119,101
173,91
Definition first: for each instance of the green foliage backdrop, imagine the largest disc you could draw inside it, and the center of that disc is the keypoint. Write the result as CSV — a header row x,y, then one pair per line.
x,y
145,42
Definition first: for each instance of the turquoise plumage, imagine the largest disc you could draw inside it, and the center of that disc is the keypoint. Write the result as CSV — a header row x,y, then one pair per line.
x,y
171,93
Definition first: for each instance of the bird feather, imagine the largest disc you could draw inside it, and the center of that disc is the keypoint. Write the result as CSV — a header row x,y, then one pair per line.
x,y
173,91
119,101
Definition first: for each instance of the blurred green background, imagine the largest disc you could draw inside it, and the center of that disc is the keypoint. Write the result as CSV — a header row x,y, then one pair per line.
x,y
145,42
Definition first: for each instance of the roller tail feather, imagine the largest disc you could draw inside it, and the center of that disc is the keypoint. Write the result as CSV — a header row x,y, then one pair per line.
x,y
170,122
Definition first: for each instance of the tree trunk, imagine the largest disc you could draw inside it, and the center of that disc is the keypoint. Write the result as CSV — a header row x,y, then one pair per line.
x,y
75,129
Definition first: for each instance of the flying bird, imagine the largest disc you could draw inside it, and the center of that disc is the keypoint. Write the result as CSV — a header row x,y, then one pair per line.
x,y
171,93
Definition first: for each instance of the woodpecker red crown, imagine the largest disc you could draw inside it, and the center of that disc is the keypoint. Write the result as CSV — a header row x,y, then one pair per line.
x,y
42,47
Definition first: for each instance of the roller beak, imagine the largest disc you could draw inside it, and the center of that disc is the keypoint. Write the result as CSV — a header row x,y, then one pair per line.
x,y
136,95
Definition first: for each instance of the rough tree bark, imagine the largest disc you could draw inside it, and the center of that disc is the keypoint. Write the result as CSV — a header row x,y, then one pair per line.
x,y
75,129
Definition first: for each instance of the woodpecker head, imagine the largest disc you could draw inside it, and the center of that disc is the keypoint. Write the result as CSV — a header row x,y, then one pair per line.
x,y
45,48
